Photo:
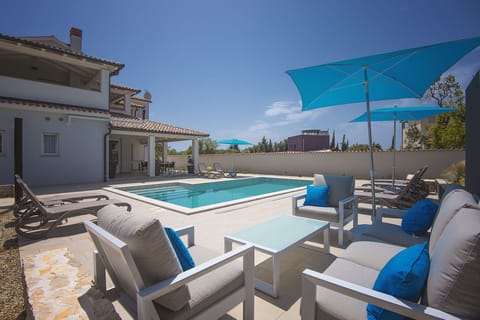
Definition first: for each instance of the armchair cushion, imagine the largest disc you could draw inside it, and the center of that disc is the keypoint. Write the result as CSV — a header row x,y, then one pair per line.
x,y
404,277
454,279
184,257
340,187
419,218
316,196
150,248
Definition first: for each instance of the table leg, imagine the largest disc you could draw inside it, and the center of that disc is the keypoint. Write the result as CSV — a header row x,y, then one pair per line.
x,y
326,239
227,245
276,275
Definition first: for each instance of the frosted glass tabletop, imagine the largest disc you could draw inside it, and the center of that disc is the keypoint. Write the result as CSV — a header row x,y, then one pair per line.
x,y
280,233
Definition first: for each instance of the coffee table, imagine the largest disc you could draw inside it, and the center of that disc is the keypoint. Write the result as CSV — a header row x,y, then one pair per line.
x,y
276,237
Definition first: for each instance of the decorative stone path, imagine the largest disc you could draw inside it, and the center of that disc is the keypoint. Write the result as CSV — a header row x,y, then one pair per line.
x,y
54,284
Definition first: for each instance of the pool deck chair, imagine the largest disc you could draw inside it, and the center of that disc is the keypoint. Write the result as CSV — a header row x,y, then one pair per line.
x,y
39,219
342,203
218,167
149,280
25,203
203,171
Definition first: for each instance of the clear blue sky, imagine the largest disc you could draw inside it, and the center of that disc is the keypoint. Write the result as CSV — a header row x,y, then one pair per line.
x,y
218,66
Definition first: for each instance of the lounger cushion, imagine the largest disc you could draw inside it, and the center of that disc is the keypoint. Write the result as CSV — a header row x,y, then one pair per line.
x,y
454,279
451,203
333,305
404,277
183,255
209,288
341,187
419,217
384,232
150,248
316,196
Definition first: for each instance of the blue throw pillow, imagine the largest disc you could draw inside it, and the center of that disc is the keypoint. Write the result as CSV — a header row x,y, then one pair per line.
x,y
404,277
186,260
316,196
419,218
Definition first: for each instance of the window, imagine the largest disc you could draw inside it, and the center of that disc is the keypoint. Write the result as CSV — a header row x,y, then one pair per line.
x,y
2,142
50,144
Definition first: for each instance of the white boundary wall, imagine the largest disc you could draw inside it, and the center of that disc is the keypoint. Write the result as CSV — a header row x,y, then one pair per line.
x,y
340,163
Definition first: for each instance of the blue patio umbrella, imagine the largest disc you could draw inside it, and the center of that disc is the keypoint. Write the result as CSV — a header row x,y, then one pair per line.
x,y
410,113
395,75
234,142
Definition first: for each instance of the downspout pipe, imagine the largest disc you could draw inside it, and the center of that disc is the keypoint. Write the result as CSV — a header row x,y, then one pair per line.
x,y
105,154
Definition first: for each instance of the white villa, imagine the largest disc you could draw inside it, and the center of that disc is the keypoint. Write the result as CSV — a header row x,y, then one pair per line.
x,y
63,121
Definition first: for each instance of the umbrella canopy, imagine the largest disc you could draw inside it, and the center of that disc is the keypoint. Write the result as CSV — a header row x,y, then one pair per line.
x,y
410,113
234,142
395,75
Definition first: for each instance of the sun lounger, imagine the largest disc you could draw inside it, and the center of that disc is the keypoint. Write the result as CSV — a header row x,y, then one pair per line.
x,y
203,171
218,167
38,219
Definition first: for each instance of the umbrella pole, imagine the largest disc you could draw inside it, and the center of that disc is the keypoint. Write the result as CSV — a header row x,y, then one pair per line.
x,y
394,148
370,143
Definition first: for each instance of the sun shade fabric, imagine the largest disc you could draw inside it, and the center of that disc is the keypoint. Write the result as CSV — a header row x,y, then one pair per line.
x,y
342,82
419,218
316,196
150,248
181,250
404,277
402,113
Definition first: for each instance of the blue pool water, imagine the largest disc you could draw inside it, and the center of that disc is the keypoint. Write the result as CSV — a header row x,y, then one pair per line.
x,y
199,195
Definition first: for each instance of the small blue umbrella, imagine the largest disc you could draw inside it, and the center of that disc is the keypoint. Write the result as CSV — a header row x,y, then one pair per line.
x,y
234,142
410,113
394,75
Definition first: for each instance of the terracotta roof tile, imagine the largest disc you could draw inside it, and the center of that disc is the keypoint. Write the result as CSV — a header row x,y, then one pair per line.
x,y
124,122
51,105
62,50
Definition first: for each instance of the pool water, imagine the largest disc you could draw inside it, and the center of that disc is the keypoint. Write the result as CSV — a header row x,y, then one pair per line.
x,y
204,194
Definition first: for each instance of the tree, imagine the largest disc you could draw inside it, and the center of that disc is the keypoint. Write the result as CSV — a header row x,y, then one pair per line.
x,y
332,142
448,131
414,138
344,145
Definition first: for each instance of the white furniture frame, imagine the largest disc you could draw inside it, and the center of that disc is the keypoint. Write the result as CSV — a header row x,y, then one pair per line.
x,y
124,272
275,237
311,279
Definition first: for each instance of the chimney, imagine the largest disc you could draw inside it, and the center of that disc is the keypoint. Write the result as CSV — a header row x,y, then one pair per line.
x,y
76,40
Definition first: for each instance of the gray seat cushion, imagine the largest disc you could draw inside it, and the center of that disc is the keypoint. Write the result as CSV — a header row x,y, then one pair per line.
x,y
150,249
385,232
370,254
340,187
209,288
453,283
332,305
321,213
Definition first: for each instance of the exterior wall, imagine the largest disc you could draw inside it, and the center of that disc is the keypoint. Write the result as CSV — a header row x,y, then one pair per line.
x,y
340,163
472,152
39,91
308,142
81,148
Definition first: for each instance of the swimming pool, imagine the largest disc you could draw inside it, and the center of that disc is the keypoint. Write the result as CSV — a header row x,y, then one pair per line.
x,y
204,196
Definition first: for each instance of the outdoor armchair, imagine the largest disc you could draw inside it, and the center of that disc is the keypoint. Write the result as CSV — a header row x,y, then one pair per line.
x,y
218,167
446,281
342,205
203,171
151,283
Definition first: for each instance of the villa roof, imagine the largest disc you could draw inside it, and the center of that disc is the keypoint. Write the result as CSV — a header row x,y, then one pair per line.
x,y
57,49
129,123
52,106
123,87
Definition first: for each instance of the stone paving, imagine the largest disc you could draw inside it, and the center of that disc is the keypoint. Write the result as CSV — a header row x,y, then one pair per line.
x,y
59,270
